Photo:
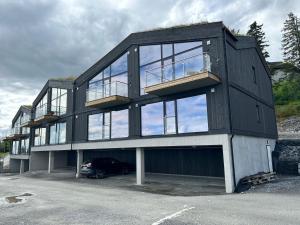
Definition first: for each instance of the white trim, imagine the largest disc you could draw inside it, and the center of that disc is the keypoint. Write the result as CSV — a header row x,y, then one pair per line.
x,y
47,148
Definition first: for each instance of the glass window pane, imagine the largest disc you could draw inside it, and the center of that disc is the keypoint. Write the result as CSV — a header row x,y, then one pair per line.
x,y
54,93
149,54
192,114
95,81
170,120
167,50
106,72
152,119
43,136
36,136
62,133
95,127
180,47
120,65
170,125
53,134
119,124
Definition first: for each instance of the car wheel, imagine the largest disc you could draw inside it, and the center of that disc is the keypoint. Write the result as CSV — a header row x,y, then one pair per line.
x,y
100,174
125,171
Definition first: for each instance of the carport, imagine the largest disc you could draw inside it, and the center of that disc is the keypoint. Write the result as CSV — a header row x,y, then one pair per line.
x,y
162,165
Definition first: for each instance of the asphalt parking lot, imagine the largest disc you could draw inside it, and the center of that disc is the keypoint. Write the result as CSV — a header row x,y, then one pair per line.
x,y
61,199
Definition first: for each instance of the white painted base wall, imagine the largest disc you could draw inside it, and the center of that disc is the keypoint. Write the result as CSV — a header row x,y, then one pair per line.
x,y
251,155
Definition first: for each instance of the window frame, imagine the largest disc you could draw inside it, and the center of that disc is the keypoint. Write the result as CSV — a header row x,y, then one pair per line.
x,y
110,125
176,117
58,133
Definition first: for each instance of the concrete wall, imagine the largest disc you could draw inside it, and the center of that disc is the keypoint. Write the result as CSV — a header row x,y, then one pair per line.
x,y
60,159
251,155
39,161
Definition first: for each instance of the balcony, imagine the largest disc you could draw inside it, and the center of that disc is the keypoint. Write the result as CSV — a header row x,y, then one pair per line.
x,y
107,95
183,75
43,115
14,134
26,120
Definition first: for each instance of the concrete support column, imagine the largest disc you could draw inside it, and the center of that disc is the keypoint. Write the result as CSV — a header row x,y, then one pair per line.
x,y
140,166
228,167
51,161
22,166
79,162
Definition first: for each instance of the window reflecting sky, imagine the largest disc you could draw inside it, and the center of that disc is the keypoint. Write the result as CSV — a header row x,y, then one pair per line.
x,y
152,119
191,113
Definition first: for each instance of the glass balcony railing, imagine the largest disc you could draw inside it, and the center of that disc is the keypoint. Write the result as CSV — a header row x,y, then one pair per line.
x,y
25,130
115,88
41,111
179,69
55,111
14,131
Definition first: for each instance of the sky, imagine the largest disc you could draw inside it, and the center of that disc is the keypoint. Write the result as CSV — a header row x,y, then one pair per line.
x,y
42,39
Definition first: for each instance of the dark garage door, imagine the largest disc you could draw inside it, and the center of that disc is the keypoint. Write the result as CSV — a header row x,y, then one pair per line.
x,y
186,161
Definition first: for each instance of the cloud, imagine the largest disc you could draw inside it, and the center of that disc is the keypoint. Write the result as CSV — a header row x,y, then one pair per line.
x,y
56,38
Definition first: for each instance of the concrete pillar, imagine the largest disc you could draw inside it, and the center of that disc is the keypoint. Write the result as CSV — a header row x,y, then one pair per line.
x,y
22,166
79,162
228,167
140,166
51,161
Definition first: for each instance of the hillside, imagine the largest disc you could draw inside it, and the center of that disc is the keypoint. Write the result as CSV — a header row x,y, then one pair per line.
x,y
286,89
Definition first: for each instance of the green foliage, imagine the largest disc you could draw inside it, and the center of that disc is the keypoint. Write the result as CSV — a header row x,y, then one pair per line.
x,y
291,40
256,31
287,91
288,110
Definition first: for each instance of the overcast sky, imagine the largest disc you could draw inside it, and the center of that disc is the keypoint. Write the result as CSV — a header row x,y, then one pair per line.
x,y
45,39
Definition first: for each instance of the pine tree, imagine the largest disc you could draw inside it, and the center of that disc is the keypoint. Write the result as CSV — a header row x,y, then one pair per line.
x,y
255,30
291,40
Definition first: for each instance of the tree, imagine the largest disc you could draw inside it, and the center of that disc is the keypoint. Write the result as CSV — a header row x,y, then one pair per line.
x,y
291,40
255,30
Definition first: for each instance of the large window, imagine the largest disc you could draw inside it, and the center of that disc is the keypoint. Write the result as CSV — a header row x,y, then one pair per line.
x,y
58,133
108,125
164,62
25,146
152,119
41,107
40,136
111,81
119,124
15,147
184,115
192,114
59,101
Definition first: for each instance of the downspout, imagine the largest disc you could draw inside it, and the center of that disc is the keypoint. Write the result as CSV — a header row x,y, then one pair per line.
x,y
229,108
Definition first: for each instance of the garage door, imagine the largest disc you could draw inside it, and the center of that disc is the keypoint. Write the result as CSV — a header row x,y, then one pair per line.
x,y
197,161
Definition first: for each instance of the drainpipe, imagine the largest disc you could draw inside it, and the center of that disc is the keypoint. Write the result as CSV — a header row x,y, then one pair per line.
x,y
229,107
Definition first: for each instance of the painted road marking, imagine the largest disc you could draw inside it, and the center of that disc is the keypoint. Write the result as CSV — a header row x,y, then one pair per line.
x,y
172,216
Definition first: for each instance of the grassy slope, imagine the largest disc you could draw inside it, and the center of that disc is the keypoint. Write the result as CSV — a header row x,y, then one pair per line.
x,y
287,91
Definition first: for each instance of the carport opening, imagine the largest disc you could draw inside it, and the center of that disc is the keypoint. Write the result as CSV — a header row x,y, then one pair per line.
x,y
193,161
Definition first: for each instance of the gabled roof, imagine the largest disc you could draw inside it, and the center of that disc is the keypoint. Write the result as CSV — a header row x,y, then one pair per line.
x,y
22,108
